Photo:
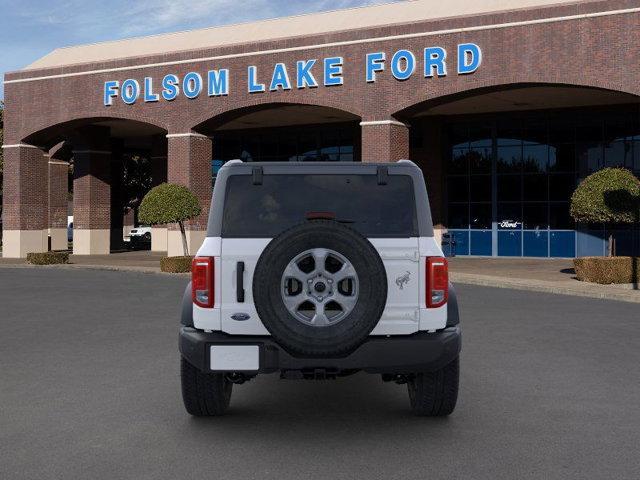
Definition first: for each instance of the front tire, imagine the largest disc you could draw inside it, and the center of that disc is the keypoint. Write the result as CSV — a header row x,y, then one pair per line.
x,y
434,394
204,394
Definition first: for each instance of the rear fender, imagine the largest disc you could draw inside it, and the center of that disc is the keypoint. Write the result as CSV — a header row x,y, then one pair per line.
x,y
186,312
453,313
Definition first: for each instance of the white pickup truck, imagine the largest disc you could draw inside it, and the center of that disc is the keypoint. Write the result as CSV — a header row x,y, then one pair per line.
x,y
320,270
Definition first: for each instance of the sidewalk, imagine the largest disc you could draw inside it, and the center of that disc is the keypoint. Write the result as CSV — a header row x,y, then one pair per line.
x,y
137,261
539,275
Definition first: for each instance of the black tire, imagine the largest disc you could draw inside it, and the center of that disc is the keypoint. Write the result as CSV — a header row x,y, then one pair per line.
x,y
204,394
332,340
434,394
147,236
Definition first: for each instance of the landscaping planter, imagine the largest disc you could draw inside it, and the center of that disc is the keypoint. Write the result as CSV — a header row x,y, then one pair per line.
x,y
48,258
608,270
176,264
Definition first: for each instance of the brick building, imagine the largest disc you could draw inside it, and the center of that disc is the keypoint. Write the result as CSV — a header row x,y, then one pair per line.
x,y
504,104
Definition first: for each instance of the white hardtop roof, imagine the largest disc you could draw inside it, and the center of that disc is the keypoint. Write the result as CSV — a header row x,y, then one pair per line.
x,y
273,29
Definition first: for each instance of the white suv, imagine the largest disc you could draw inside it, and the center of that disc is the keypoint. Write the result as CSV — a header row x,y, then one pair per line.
x,y
320,270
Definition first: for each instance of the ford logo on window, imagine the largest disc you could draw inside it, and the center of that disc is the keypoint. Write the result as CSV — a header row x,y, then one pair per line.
x,y
509,224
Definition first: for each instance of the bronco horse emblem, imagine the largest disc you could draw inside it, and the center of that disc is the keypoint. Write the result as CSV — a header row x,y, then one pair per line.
x,y
402,280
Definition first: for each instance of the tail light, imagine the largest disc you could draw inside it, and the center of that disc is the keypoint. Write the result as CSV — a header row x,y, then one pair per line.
x,y
202,281
437,281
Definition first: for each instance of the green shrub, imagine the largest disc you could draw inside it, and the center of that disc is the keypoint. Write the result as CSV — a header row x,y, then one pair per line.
x,y
48,258
607,270
170,203
611,195
176,264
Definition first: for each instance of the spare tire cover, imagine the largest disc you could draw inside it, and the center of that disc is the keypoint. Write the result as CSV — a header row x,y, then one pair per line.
x,y
320,288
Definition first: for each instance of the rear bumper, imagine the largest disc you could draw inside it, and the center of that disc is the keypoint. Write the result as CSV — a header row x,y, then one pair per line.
x,y
420,352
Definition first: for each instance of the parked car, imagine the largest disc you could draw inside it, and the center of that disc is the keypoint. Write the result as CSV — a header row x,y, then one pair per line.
x,y
318,271
69,228
140,238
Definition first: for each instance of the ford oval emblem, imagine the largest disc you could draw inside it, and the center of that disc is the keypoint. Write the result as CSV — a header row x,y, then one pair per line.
x,y
240,317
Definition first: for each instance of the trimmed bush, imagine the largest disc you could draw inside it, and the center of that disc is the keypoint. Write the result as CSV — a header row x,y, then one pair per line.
x,y
611,195
48,258
176,264
607,270
170,203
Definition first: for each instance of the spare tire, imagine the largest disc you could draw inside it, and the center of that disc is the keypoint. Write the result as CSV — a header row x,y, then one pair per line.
x,y
320,288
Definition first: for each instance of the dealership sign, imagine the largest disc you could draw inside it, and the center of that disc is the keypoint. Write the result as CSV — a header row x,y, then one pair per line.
x,y
309,73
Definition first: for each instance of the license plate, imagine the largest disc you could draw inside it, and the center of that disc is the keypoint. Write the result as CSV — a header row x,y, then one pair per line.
x,y
234,358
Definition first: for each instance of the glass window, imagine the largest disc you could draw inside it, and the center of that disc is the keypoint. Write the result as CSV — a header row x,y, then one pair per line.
x,y
458,215
288,147
458,189
561,130
636,156
509,187
268,147
535,216
562,158
509,216
459,136
481,188
535,158
307,147
534,188
459,161
480,216
559,217
618,154
266,210
589,157
619,127
535,133
561,187
509,159
589,130
509,133
480,136
480,159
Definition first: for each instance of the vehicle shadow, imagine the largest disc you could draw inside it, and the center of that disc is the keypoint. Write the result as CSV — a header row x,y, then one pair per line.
x,y
354,404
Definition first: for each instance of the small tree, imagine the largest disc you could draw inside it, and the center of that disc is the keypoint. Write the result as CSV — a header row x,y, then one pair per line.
x,y
611,195
169,203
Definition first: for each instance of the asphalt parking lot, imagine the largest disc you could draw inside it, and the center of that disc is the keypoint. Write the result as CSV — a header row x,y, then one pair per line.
x,y
89,388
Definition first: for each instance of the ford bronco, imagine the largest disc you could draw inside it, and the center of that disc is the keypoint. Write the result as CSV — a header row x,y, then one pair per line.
x,y
315,271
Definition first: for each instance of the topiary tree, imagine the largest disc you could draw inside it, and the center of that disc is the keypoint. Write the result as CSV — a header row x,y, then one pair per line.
x,y
170,203
611,195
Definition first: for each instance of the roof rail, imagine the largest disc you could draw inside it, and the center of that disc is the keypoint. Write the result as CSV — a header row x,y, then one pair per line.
x,y
405,161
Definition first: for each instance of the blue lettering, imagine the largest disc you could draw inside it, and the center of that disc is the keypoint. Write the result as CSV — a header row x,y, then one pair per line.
x,y
333,71
218,82
110,92
149,96
130,91
469,58
254,87
304,77
375,63
403,64
192,85
434,58
170,87
280,78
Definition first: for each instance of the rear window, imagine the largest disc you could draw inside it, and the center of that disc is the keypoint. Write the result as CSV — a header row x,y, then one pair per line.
x,y
282,201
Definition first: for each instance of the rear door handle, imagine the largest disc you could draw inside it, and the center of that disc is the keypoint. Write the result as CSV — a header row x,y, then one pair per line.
x,y
240,282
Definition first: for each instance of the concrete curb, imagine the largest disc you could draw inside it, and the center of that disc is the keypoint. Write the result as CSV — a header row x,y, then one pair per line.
x,y
113,268
577,289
